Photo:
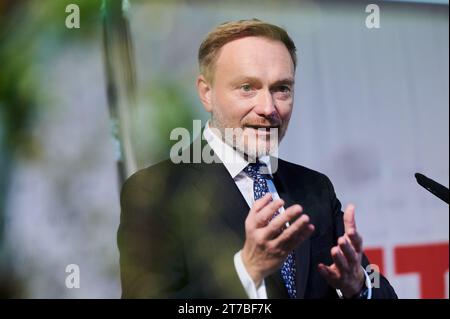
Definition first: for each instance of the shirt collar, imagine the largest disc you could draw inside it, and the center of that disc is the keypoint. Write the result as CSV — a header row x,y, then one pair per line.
x,y
233,161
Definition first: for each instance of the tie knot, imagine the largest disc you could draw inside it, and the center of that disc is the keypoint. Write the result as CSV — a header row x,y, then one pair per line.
x,y
255,170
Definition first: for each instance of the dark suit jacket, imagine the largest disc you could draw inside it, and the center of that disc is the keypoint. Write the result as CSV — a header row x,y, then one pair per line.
x,y
181,225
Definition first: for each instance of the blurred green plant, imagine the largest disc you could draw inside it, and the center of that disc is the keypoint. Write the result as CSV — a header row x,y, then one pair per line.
x,y
30,33
141,121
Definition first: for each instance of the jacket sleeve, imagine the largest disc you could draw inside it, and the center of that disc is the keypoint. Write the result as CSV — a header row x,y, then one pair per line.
x,y
151,259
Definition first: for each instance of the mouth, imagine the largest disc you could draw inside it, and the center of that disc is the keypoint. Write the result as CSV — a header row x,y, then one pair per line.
x,y
261,128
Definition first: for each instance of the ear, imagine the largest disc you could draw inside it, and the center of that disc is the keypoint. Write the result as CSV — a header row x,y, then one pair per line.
x,y
204,92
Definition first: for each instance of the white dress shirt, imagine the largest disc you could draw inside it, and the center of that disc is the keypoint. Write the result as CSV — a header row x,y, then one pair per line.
x,y
235,164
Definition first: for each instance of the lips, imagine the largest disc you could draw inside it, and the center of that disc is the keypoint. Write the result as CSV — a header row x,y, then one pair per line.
x,y
262,126
262,131
265,128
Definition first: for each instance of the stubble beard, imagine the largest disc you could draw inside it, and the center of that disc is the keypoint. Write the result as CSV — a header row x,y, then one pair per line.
x,y
246,141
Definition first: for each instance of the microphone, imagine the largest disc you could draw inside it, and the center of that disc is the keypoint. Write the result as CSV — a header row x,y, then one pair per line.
x,y
433,187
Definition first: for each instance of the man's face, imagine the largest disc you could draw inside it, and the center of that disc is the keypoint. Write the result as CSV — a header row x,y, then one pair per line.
x,y
252,91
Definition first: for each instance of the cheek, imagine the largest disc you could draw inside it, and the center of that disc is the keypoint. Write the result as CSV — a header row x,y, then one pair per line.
x,y
231,107
285,110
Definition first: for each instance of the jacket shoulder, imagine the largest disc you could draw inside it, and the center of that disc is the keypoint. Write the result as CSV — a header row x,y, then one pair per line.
x,y
156,175
299,171
155,181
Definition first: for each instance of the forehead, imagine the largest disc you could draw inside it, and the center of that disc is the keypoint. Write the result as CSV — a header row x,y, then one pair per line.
x,y
255,56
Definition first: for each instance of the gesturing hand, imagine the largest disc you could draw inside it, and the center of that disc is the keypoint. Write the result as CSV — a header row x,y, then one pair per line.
x,y
346,272
267,244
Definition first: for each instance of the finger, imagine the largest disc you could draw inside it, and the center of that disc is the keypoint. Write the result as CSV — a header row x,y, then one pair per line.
x,y
349,219
266,213
251,221
339,259
356,241
296,233
330,275
278,223
350,228
261,203
348,251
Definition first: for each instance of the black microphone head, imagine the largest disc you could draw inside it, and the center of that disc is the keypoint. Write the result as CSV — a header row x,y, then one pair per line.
x,y
433,187
420,178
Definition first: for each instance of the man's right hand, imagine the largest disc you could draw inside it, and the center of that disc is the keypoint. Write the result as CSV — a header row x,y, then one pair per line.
x,y
267,244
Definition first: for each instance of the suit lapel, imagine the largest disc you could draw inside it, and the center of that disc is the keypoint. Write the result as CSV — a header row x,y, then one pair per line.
x,y
218,188
226,200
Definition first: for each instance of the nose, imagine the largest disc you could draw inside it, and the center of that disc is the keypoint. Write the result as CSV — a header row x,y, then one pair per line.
x,y
265,103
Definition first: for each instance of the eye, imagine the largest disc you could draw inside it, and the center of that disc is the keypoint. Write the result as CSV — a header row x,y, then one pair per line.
x,y
284,89
246,87
282,92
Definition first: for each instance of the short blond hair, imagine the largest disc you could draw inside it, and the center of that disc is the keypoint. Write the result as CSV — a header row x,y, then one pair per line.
x,y
229,31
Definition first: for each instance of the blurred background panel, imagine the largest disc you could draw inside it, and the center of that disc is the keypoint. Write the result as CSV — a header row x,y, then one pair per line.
x,y
371,109
59,192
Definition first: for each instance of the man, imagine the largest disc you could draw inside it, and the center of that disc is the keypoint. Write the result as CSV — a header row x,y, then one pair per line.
x,y
247,224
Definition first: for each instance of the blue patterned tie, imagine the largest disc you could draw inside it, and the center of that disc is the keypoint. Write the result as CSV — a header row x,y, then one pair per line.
x,y
260,188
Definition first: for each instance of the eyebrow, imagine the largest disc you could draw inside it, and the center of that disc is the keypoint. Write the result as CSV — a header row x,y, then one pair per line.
x,y
286,81
251,79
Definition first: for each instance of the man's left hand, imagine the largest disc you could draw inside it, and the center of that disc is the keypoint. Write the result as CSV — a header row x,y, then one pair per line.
x,y
346,272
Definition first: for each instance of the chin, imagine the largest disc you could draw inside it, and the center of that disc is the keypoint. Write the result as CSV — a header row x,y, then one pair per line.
x,y
257,148
253,143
